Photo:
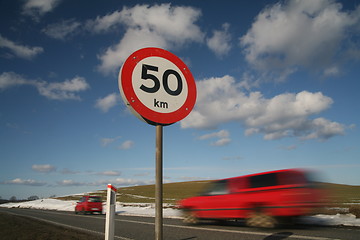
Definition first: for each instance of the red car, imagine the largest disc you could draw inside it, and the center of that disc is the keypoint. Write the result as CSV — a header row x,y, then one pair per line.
x,y
261,199
89,204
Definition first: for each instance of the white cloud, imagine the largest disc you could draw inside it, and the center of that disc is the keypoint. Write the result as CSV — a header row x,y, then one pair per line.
x,y
221,100
11,79
176,24
69,182
106,141
110,173
129,182
219,43
222,136
134,39
63,29
45,168
219,134
126,145
103,24
289,148
37,8
63,90
58,90
116,182
331,71
104,104
18,50
325,129
162,26
221,142
305,34
28,182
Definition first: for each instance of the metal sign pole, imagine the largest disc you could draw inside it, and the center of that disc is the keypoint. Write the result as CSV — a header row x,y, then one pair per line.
x,y
159,184
147,102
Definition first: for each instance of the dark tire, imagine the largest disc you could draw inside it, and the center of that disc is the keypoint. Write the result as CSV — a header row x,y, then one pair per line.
x,y
189,217
261,220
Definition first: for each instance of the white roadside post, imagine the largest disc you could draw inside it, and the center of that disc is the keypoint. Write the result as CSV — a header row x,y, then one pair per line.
x,y
110,212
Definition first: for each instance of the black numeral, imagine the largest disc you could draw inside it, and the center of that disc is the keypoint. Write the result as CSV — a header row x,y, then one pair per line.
x,y
145,75
165,80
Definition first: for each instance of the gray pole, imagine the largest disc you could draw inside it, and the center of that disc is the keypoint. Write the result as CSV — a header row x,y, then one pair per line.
x,y
159,184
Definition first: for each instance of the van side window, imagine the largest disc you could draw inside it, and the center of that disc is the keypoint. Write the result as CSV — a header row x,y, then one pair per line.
x,y
291,178
217,188
264,180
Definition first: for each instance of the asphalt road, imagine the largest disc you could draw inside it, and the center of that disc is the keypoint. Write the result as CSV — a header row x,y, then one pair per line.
x,y
142,228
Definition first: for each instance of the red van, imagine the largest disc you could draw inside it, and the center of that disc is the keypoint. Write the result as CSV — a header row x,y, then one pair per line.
x,y
261,199
89,204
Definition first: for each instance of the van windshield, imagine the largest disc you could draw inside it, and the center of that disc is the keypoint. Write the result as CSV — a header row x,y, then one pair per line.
x,y
216,188
94,199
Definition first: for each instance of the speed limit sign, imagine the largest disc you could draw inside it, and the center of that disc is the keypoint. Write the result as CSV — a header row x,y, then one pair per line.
x,y
157,86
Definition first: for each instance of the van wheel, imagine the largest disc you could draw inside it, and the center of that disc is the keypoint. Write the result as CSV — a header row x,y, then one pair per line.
x,y
189,217
261,220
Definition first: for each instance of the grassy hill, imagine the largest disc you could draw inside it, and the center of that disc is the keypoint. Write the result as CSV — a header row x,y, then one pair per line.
x,y
344,194
172,192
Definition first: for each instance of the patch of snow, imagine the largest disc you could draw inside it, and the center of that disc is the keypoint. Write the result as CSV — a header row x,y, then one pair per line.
x,y
45,204
145,209
333,220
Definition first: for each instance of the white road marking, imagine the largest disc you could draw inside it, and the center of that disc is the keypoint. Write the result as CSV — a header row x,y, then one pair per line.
x,y
227,231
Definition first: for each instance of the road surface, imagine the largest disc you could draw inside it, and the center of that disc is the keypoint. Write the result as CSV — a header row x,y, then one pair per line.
x,y
142,228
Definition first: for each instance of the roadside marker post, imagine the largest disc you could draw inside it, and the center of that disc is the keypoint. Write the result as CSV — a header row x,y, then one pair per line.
x,y
160,90
110,212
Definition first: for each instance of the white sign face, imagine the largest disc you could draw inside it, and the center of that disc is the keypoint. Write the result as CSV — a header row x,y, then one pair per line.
x,y
159,84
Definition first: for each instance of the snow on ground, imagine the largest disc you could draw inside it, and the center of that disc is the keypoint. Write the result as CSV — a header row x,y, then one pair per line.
x,y
144,209
135,209
45,204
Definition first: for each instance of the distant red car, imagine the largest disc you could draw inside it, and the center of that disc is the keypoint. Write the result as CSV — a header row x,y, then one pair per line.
x,y
261,199
89,204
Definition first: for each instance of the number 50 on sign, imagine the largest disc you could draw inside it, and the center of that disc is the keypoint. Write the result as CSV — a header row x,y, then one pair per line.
x,y
157,86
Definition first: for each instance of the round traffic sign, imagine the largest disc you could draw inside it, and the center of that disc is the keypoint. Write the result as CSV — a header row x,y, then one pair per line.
x,y
157,86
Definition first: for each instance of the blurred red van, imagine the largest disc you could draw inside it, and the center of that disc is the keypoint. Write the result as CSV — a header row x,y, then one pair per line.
x,y
89,204
263,199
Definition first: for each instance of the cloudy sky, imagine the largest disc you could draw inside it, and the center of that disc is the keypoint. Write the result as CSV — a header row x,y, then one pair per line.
x,y
277,87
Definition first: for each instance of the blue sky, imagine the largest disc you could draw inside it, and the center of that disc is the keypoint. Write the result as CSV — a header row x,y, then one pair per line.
x,y
277,87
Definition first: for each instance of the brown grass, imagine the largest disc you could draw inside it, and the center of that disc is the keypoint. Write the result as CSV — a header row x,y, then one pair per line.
x,y
32,229
355,209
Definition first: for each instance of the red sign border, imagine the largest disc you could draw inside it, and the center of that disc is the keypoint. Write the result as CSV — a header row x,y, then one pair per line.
x,y
126,84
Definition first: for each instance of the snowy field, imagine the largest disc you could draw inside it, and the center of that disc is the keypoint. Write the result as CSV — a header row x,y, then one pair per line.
x,y
143,209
